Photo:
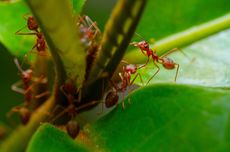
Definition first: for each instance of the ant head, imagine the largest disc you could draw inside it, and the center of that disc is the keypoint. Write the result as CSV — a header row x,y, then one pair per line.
x,y
26,75
143,45
131,68
32,23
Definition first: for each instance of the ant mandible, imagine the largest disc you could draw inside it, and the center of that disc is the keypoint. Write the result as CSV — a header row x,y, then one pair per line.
x,y
167,63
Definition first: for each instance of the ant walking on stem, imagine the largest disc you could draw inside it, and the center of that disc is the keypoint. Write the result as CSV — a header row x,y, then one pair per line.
x,y
88,30
167,63
40,44
26,79
72,94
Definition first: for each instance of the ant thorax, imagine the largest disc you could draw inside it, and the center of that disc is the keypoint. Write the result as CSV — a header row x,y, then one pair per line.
x,y
41,44
155,57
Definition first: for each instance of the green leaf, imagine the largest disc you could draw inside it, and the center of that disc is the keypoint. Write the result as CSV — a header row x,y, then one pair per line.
x,y
48,138
77,5
10,23
207,63
163,18
167,117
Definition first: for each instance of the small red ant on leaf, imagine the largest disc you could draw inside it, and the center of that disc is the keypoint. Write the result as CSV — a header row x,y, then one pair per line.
x,y
125,76
26,79
167,63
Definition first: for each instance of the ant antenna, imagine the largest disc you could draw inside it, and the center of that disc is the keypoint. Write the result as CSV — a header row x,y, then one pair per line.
x,y
18,65
139,36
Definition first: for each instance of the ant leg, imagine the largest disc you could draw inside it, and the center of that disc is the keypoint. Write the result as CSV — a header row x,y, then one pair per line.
x,y
27,54
102,105
41,79
123,102
125,62
15,87
173,50
25,16
144,64
60,114
158,69
18,32
177,70
138,74
169,52
42,94
24,33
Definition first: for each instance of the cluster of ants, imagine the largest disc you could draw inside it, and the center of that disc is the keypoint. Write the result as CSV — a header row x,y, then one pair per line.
x,y
89,36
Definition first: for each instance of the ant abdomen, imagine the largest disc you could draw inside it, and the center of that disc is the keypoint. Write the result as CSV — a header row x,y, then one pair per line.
x,y
168,63
72,128
111,99
24,115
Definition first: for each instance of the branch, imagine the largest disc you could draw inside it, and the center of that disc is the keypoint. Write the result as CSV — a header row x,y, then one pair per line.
x,y
184,38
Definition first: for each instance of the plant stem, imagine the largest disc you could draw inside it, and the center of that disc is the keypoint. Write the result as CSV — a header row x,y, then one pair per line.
x,y
184,38
18,140
62,37
117,35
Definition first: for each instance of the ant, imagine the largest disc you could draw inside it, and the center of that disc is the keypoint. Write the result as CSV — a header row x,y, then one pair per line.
x,y
32,25
125,76
71,93
88,30
26,77
167,63
89,36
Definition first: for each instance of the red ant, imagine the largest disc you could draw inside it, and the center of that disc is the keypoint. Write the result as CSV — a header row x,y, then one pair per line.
x,y
88,30
26,77
71,92
33,26
125,76
167,63
89,36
